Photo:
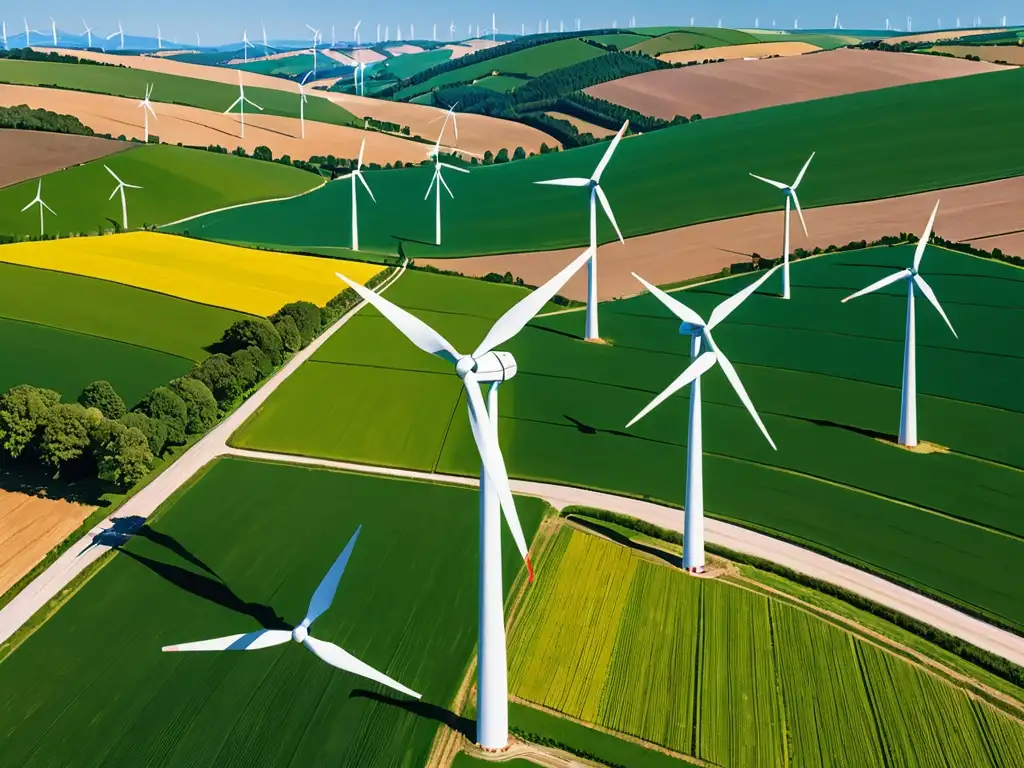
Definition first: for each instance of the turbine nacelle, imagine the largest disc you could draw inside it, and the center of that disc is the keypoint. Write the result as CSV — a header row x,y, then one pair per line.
x,y
691,329
492,367
300,633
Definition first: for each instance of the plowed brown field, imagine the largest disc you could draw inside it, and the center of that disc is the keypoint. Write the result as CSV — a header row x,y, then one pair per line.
x,y
28,154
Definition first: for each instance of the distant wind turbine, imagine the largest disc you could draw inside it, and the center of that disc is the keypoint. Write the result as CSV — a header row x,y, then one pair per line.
x,y
494,28
433,35
908,410
38,199
318,605
120,32
437,181
246,45
355,31
240,102
302,105
5,35
147,109
53,27
263,28
334,39
121,186
159,38
451,30
88,33
316,36
354,175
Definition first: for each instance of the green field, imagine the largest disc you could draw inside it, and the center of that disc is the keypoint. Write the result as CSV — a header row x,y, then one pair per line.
x,y
824,376
691,37
823,41
290,65
176,183
614,638
409,64
867,149
622,40
246,546
501,83
531,62
464,760
171,89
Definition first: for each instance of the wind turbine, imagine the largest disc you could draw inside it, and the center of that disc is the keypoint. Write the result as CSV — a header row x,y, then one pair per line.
x,y
789,190
355,31
451,29
147,108
596,194
266,47
433,36
316,35
494,29
357,174
485,366
159,38
240,102
88,33
53,28
437,181
246,45
836,24
6,48
700,334
120,32
39,199
121,185
908,410
318,605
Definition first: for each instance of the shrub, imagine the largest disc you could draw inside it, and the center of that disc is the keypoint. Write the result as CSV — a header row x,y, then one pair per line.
x,y
154,431
219,376
164,405
289,333
101,395
200,404
306,316
256,332
245,368
125,458
65,434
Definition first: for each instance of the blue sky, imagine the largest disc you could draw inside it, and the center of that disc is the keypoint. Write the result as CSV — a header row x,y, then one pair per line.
x,y
223,21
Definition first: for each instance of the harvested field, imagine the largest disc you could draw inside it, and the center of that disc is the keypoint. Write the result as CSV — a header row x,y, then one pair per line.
x,y
949,34
271,57
398,50
756,50
30,526
1013,54
199,127
28,154
737,86
986,215
359,56
582,125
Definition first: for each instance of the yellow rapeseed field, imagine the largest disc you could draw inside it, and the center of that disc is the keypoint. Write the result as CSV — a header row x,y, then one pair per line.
x,y
243,279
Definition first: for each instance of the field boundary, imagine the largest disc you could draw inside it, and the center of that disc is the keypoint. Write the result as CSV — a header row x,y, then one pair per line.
x,y
323,183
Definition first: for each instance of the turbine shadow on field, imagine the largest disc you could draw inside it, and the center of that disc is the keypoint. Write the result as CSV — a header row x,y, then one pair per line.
x,y
618,538
424,709
587,429
873,434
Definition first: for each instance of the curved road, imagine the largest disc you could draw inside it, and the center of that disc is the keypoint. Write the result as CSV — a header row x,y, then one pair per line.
x,y
213,445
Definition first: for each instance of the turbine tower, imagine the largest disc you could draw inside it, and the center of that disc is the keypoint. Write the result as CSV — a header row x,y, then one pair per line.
x,y
6,48
437,181
357,174
316,37
147,109
355,31
121,185
318,605
246,45
908,410
38,199
596,194
700,335
485,366
302,105
53,28
240,102
789,190
159,38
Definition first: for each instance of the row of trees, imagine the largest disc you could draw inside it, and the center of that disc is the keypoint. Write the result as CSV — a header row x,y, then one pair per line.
x,y
26,118
27,54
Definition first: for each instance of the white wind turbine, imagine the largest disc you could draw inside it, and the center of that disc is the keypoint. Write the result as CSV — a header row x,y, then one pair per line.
x,y
120,32
88,33
316,37
596,194
28,33
121,185
908,410
246,45
789,190
159,38
357,174
318,605
266,47
147,108
700,335
53,28
451,30
240,102
355,31
437,181
39,199
302,105
485,366
6,48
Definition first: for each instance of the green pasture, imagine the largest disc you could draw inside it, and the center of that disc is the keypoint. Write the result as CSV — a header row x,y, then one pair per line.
x,y
621,40
501,83
176,183
531,62
824,41
409,64
729,676
465,760
290,65
691,37
824,376
867,144
171,89
245,547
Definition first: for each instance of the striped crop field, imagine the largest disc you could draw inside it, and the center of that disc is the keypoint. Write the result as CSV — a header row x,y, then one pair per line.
x,y
734,678
243,279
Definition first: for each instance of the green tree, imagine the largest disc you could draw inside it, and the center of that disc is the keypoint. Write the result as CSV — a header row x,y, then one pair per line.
x,y
262,361
155,431
217,373
502,156
164,405
488,157
256,332
125,458
519,154
65,434
101,395
200,404
306,316
263,153
245,368
22,413
289,334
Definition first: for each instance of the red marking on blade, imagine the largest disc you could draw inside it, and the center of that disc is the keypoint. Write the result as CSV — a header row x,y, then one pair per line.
x,y
529,567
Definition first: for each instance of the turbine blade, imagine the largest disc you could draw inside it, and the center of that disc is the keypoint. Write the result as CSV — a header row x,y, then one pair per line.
x,y
923,242
675,306
800,176
776,184
800,213
47,207
253,104
930,295
366,186
888,280
151,111
606,158
445,183
608,211
430,188
734,379
112,173
251,641
697,368
565,182
362,147
516,318
726,308
236,103
486,440
133,186
328,587
414,329
345,661
453,167
116,190
29,206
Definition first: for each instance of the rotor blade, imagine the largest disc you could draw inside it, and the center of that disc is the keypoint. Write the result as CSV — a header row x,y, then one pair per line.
x,y
930,295
487,445
251,641
723,310
430,188
344,660
923,242
516,318
150,108
734,379
608,153
362,147
608,211
237,102
47,207
29,205
565,182
675,306
776,184
441,179
800,176
328,587
414,329
112,174
133,186
800,213
304,79
453,167
253,104
698,367
116,190
888,280
366,186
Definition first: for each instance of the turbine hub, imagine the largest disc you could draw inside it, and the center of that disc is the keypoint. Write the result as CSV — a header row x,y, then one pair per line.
x,y
689,329
465,366
300,633
496,367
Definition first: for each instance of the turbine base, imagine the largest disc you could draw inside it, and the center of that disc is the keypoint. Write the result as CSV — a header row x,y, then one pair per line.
x,y
695,569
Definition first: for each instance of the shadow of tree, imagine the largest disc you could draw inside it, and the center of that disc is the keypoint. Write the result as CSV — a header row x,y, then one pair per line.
x,y
75,486
423,709
619,538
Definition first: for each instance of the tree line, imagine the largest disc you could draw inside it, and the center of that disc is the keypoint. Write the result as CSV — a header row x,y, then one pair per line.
x,y
98,436
24,117
27,54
